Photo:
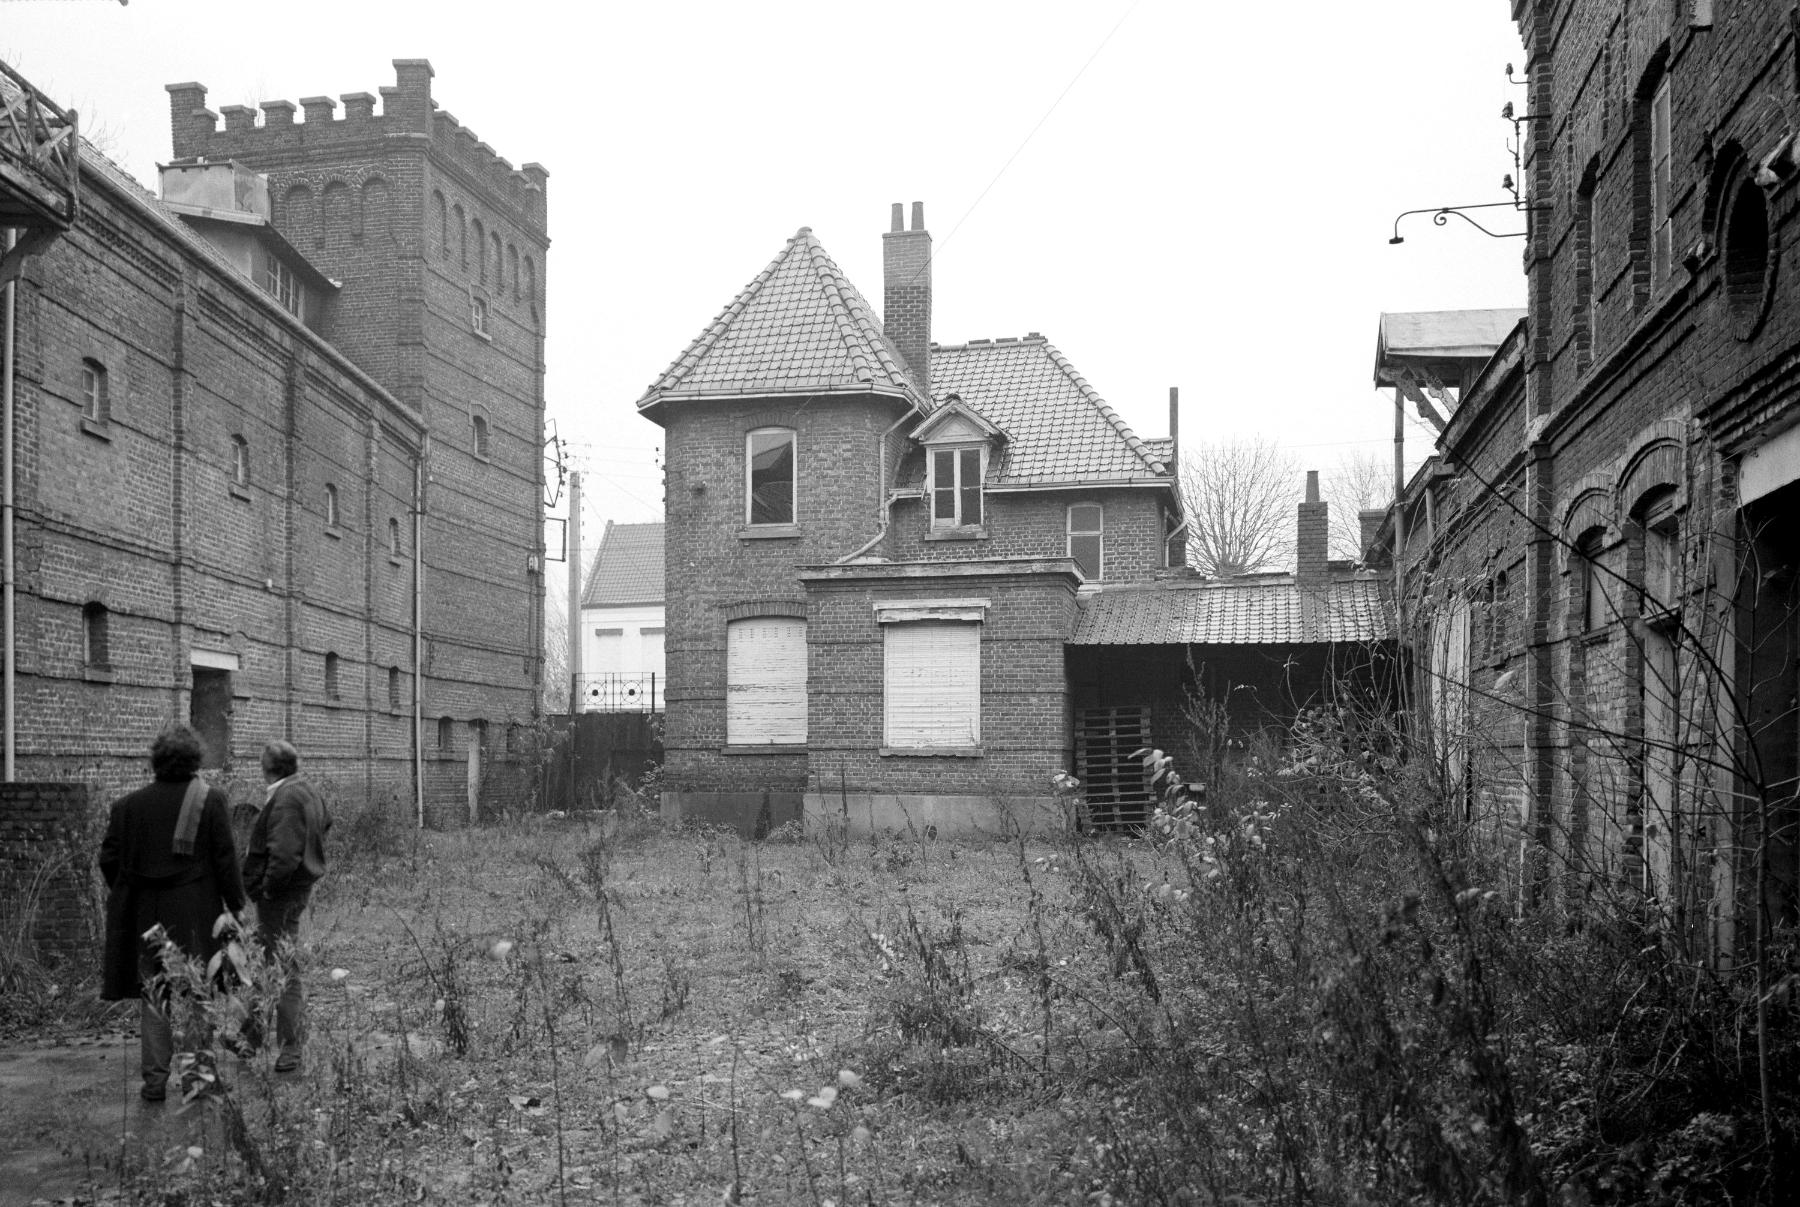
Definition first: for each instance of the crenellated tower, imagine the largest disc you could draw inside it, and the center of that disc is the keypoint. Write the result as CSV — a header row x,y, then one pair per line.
x,y
437,244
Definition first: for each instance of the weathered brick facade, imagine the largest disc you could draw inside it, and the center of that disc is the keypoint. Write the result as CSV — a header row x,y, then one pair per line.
x,y
148,561
1631,471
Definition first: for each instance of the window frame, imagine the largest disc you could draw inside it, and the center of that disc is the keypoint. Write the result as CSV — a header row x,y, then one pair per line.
x,y
480,316
96,636
334,684
333,509
793,477
959,493
279,282
1099,533
240,461
1662,180
96,392
1593,602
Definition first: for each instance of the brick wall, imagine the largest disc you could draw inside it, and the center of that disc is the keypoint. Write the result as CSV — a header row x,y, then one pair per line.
x,y
51,898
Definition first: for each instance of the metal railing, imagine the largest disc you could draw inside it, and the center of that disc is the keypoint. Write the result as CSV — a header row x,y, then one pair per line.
x,y
611,691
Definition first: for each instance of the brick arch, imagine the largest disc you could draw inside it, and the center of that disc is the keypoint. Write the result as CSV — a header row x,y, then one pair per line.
x,y
778,605
299,215
375,216
335,205
1589,503
1655,458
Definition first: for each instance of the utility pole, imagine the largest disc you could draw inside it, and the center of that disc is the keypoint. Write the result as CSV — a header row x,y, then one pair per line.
x,y
574,621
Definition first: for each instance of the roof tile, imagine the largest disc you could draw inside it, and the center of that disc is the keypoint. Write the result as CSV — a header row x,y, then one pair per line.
x,y
1267,612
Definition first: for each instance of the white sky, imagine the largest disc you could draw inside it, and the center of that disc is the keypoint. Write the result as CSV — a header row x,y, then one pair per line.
x,y
1207,205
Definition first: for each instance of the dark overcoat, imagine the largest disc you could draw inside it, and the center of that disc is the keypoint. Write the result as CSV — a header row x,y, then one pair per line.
x,y
147,883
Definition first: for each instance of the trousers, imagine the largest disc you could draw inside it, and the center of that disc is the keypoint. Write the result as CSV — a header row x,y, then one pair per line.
x,y
278,931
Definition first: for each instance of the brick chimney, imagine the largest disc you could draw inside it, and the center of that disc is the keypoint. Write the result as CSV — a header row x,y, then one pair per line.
x,y
1369,519
906,301
1310,570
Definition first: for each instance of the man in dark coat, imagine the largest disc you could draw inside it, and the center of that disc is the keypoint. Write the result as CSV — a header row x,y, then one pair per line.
x,y
287,857
168,859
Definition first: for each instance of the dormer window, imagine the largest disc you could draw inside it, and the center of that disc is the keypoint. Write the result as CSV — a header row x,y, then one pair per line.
x,y
278,281
956,487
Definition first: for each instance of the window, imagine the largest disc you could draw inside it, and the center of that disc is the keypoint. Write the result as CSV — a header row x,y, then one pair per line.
x,y
955,487
478,433
333,690
393,536
1586,295
1660,181
931,684
96,652
1499,603
1596,613
240,461
765,681
1662,558
331,506
279,283
478,315
95,401
480,242
769,476
209,712
1087,540
1747,260
446,732
393,689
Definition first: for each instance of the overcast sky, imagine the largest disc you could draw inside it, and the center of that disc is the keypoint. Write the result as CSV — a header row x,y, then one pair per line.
x,y
1175,192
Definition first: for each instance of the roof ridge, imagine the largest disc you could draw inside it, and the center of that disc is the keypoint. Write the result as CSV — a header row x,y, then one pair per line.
x,y
1093,396
709,336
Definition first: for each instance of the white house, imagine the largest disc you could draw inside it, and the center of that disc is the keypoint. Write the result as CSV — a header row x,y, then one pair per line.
x,y
622,622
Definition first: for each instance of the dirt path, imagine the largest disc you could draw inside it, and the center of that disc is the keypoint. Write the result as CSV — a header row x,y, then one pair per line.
x,y
70,1113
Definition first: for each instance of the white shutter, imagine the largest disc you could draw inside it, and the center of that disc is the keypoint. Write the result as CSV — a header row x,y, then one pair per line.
x,y
931,683
765,681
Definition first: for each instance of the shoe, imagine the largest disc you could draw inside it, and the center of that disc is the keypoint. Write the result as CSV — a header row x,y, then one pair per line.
x,y
154,1091
287,1062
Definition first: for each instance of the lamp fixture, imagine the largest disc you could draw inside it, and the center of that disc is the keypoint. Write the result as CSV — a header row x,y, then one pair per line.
x,y
1440,217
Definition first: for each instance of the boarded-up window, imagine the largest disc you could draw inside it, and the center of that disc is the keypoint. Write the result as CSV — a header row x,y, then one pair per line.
x,y
609,651
765,681
931,683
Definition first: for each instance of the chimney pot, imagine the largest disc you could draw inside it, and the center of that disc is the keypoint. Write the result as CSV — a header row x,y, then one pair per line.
x,y
1311,569
899,220
918,222
1312,486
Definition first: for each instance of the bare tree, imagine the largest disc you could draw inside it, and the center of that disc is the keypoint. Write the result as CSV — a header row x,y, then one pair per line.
x,y
1240,504
1359,481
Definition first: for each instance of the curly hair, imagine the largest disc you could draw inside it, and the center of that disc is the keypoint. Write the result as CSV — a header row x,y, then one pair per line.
x,y
176,753
280,759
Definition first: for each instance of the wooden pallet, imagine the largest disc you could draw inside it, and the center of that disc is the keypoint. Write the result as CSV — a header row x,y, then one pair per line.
x,y
1117,793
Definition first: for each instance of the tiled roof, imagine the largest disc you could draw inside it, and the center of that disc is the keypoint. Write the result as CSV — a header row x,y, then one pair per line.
x,y
799,328
1162,448
1271,611
1059,430
629,567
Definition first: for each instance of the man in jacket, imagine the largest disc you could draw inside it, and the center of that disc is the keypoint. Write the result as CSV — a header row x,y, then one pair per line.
x,y
286,858
169,860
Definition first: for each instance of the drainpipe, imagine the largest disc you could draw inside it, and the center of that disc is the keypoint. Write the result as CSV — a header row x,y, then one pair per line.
x,y
884,503
8,691
418,626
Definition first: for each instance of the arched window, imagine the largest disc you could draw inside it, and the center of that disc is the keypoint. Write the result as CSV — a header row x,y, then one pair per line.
x,y
96,651
1747,259
331,506
333,689
96,399
462,234
1087,539
393,536
478,425
499,266
480,241
769,476
240,461
446,732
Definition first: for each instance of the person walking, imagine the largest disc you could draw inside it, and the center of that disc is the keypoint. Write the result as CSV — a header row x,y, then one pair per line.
x,y
169,860
286,858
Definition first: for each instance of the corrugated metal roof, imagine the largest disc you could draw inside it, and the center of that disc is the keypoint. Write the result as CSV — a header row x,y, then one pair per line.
x,y
1058,427
1270,611
628,569
799,327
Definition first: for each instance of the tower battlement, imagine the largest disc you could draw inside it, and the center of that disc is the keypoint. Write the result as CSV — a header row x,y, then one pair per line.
x,y
406,111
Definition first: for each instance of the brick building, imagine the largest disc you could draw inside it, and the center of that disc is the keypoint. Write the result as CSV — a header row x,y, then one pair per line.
x,y
1612,541
278,455
881,553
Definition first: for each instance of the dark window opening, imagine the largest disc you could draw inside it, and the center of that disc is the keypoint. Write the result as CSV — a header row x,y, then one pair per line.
x,y
1747,259
332,686
209,712
1087,540
771,477
394,689
96,649
446,730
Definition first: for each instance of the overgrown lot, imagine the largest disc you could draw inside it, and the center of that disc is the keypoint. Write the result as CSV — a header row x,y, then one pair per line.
x,y
1300,991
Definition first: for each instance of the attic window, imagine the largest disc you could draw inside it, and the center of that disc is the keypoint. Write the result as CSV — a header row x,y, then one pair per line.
x,y
279,283
955,487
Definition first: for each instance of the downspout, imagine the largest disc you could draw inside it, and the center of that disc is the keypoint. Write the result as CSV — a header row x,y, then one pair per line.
x,y
418,626
8,694
884,502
